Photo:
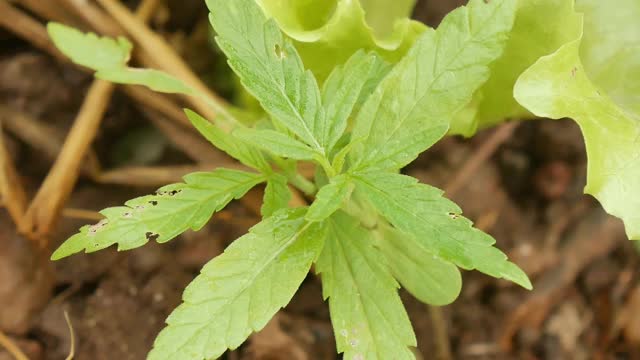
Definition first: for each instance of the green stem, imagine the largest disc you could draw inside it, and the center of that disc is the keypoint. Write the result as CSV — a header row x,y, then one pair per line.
x,y
302,184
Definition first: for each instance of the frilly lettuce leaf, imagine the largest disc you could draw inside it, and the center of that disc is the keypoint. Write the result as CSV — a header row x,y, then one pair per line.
x,y
327,32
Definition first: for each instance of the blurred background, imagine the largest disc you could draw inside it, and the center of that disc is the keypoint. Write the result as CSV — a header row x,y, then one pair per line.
x,y
62,159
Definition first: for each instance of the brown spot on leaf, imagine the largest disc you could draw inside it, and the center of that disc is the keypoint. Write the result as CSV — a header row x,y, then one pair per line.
x,y
574,71
151,236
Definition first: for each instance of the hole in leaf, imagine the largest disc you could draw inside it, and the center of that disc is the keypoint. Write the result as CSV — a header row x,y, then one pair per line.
x,y
151,236
153,202
453,215
280,53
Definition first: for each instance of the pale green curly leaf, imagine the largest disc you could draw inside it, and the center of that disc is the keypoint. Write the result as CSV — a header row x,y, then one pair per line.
x,y
435,224
173,210
328,32
368,318
539,29
412,107
238,292
556,86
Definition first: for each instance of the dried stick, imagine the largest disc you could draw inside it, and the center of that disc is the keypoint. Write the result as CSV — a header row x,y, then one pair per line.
x,y
11,188
43,137
480,156
47,10
58,185
11,347
26,27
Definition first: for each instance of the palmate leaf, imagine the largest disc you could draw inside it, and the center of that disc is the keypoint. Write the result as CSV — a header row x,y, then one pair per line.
x,y
556,86
435,224
239,291
539,29
270,68
412,107
326,33
163,216
368,318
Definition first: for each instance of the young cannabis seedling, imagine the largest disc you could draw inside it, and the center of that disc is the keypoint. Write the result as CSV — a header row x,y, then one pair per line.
x,y
369,229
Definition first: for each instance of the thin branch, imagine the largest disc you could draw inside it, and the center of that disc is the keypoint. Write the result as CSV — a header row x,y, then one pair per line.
x,y
11,188
12,348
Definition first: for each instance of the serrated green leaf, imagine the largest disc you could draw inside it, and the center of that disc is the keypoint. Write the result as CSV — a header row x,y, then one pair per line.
x,y
277,143
235,147
327,33
90,50
428,278
330,198
270,68
539,29
556,86
343,89
173,210
276,195
413,105
239,291
435,224
369,320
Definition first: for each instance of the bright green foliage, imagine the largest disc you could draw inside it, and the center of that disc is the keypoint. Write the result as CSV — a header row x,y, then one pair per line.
x,y
277,143
173,210
234,146
270,68
346,87
412,107
557,87
435,224
328,32
239,291
90,50
540,28
369,320
109,57
370,228
427,277
330,198
610,49
276,195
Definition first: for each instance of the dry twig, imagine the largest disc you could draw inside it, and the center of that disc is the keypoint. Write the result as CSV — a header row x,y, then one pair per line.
x,y
12,348
11,189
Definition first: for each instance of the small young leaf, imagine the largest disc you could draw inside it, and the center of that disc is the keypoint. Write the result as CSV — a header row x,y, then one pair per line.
x,y
369,320
153,79
413,105
90,50
276,143
428,278
235,147
435,224
276,195
239,291
330,198
343,89
270,68
556,86
163,216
